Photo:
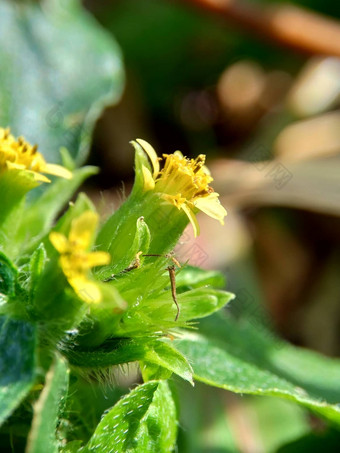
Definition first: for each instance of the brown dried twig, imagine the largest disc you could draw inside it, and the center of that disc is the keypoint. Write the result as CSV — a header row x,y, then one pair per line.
x,y
297,28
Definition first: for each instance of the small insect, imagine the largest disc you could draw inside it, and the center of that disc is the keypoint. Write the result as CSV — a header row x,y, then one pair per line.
x,y
172,275
171,269
134,265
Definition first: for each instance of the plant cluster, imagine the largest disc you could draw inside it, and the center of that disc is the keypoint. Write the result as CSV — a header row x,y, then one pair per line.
x,y
87,297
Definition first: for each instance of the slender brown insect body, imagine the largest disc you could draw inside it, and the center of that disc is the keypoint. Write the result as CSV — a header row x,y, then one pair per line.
x,y
134,265
172,275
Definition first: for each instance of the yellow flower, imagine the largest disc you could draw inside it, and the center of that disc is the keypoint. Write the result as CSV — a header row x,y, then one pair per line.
x,y
184,183
17,154
75,260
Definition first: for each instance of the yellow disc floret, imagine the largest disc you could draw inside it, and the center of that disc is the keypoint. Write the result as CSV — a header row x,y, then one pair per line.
x,y
184,183
17,154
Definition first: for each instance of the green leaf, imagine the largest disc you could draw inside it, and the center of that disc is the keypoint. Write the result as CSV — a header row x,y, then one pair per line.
x,y
164,356
42,437
143,421
62,69
17,347
248,359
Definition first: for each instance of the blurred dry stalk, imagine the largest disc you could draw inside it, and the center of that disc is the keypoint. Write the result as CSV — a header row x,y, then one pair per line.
x,y
288,25
313,185
317,88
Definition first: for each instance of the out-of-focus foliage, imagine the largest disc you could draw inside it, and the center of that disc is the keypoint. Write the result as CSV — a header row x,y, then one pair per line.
x,y
58,71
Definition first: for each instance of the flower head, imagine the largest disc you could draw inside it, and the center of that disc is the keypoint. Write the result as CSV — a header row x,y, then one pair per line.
x,y
75,259
184,183
17,154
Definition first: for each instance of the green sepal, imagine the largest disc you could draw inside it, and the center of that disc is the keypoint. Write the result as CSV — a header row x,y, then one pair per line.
x,y
102,318
124,253
162,359
115,351
202,302
141,160
151,371
195,277
194,304
36,267
14,184
67,160
154,309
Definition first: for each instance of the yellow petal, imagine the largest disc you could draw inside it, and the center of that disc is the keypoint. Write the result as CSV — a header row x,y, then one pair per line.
x,y
69,266
15,166
86,290
151,154
192,218
149,182
37,176
211,206
97,259
59,242
57,170
83,229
